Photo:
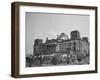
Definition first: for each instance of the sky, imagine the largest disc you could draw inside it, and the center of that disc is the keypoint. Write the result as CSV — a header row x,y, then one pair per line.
x,y
43,25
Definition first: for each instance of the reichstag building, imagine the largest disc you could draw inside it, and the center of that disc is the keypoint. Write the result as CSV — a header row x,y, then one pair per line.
x,y
62,50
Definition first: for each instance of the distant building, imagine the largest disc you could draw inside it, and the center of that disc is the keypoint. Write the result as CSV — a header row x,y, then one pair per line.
x,y
74,48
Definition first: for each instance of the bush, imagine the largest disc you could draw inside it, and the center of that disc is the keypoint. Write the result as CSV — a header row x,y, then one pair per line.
x,y
80,57
54,61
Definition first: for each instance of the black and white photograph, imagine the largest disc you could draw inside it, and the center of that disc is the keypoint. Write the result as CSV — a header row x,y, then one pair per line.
x,y
53,39
56,39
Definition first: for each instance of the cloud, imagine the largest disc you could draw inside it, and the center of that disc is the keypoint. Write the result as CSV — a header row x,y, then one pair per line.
x,y
51,34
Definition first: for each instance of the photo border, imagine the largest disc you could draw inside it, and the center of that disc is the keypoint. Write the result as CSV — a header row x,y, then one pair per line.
x,y
15,39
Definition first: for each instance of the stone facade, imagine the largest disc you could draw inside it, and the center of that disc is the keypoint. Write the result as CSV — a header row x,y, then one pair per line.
x,y
75,49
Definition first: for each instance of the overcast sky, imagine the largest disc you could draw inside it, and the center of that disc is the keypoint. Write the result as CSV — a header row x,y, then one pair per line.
x,y
42,25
